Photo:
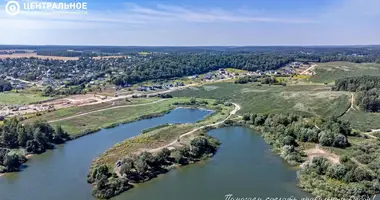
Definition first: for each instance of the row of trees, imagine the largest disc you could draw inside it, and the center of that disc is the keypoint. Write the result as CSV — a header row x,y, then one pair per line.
x,y
263,80
367,88
285,131
141,168
291,128
68,90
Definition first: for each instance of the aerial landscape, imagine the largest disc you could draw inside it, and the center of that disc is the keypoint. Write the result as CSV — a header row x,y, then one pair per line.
x,y
276,109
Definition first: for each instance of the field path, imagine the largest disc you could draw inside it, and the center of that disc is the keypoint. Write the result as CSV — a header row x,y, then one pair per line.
x,y
237,108
310,68
101,110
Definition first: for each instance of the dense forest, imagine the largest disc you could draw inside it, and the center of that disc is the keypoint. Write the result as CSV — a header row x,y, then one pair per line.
x,y
183,64
66,53
170,62
367,90
35,138
141,168
5,85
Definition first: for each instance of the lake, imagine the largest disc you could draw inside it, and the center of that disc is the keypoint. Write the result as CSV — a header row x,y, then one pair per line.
x,y
244,166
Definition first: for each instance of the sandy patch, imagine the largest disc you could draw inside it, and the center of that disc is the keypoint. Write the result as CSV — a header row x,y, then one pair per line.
x,y
319,152
210,88
248,90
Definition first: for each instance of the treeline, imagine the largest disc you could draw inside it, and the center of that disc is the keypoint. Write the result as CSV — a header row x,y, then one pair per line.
x,y
367,88
271,80
141,168
5,85
68,90
66,53
285,131
35,138
185,64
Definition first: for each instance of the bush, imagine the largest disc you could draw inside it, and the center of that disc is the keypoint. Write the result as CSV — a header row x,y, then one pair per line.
x,y
336,171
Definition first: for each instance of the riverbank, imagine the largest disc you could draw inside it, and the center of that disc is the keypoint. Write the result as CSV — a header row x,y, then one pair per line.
x,y
160,136
67,166
162,107
139,168
157,141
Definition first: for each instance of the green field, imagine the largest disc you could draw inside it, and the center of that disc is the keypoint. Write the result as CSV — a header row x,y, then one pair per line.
x,y
67,112
305,99
12,98
80,125
158,137
328,72
364,121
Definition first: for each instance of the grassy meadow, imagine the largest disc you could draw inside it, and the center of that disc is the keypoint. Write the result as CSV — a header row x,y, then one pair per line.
x,y
364,121
329,72
94,121
158,136
305,99
67,112
13,98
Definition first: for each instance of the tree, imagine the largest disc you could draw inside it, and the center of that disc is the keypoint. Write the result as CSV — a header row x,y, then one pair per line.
x,y
59,135
22,136
363,174
126,167
326,138
33,146
48,91
163,155
289,140
178,157
336,171
320,165
9,139
193,100
12,162
246,117
141,166
340,141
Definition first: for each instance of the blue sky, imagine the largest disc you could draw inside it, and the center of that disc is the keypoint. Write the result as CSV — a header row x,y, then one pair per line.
x,y
198,23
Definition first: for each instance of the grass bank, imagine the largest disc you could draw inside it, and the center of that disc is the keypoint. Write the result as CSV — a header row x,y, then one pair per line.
x,y
13,98
315,100
331,71
158,136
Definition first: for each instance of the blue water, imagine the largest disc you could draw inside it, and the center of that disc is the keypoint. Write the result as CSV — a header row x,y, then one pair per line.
x,y
61,174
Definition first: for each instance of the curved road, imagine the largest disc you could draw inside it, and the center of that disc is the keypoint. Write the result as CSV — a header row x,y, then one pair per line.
x,y
237,108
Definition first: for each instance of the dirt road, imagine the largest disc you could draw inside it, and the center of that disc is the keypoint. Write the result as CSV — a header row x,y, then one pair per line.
x,y
101,110
237,108
309,69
